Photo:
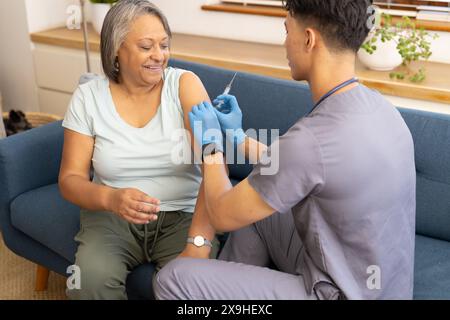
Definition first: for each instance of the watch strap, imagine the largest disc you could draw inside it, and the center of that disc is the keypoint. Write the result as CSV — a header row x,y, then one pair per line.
x,y
206,242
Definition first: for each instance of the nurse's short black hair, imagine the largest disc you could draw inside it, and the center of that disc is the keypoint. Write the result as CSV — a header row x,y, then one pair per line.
x,y
343,24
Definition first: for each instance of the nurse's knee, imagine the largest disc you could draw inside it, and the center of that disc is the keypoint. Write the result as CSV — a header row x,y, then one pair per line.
x,y
172,281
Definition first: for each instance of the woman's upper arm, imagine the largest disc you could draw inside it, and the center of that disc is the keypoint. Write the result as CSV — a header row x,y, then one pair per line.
x,y
192,92
77,154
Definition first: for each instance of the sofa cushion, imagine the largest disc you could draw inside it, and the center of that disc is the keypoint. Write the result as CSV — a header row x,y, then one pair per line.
x,y
432,269
431,134
46,217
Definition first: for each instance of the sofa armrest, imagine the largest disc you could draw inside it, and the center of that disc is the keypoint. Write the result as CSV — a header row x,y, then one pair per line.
x,y
28,160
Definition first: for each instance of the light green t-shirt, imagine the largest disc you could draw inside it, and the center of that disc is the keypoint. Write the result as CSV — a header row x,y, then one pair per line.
x,y
145,158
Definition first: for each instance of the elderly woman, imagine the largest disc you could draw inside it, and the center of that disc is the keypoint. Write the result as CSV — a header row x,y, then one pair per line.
x,y
139,206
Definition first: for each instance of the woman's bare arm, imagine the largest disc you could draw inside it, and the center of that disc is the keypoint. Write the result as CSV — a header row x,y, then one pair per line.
x,y
192,92
74,181
76,187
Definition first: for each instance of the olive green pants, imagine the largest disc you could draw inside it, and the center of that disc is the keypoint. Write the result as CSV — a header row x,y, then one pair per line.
x,y
110,248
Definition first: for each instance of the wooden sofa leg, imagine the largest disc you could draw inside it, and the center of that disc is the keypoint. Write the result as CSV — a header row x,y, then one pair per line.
x,y
42,274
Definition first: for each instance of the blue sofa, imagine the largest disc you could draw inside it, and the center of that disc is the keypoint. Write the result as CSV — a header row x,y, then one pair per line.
x,y
39,225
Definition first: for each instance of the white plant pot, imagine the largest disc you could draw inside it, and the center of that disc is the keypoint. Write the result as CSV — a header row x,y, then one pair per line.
x,y
98,12
385,57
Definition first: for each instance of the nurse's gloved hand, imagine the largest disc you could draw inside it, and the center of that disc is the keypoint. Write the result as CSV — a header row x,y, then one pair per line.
x,y
230,118
205,125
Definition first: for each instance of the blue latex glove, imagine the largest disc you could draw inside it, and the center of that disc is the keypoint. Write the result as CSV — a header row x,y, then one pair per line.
x,y
205,125
230,118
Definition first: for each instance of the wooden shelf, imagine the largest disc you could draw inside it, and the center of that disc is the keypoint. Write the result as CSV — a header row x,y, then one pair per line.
x,y
280,12
267,60
427,25
64,37
247,9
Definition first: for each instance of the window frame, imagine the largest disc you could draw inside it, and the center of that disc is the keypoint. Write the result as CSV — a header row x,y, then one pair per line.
x,y
270,11
394,7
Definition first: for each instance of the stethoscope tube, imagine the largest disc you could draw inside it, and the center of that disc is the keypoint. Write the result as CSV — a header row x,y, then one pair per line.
x,y
333,91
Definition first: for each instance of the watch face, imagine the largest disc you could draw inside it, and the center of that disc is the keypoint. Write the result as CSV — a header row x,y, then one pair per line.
x,y
199,241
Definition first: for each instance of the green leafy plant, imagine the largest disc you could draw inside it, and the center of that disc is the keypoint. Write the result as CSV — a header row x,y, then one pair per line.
x,y
412,44
104,1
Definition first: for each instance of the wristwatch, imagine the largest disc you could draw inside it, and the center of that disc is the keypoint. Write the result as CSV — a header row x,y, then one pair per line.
x,y
199,241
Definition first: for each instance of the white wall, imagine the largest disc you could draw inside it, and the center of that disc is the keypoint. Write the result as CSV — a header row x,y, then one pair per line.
x,y
441,48
17,82
17,19
20,17
186,16
46,14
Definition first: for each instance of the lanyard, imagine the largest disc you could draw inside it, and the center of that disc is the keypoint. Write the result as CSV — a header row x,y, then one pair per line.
x,y
332,91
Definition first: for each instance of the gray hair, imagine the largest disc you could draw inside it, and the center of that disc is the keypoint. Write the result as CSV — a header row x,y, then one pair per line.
x,y
116,27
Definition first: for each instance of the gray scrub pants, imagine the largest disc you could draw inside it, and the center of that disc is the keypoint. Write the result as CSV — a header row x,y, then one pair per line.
x,y
110,248
241,272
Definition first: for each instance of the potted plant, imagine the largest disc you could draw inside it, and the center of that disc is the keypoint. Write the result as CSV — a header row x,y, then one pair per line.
x,y
99,10
389,46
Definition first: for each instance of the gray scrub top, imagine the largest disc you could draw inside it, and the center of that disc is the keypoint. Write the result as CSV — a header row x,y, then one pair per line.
x,y
347,174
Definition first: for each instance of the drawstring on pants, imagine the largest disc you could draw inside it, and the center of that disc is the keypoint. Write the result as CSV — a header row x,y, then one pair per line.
x,y
159,223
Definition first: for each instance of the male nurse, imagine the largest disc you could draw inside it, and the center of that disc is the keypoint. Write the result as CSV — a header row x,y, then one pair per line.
x,y
337,220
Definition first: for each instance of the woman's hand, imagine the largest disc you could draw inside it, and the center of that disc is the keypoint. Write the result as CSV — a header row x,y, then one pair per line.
x,y
133,205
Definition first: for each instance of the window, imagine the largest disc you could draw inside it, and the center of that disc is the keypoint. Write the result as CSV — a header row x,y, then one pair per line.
x,y
438,10
422,10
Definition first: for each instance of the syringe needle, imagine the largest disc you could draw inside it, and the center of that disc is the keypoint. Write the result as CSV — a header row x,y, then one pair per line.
x,y
226,91
231,83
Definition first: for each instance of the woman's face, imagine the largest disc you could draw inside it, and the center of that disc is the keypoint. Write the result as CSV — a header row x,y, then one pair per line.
x,y
145,52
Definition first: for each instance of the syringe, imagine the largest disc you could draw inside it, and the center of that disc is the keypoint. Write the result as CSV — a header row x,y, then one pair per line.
x,y
225,92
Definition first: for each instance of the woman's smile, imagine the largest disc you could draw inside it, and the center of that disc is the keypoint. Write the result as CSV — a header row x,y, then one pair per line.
x,y
153,68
